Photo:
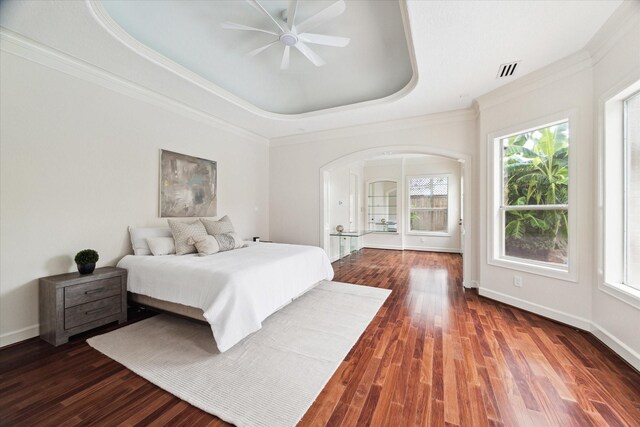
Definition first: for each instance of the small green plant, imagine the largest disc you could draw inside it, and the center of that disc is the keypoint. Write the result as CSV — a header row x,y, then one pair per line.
x,y
86,256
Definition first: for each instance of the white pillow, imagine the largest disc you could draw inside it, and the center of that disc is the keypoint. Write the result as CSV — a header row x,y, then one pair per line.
x,y
139,236
162,245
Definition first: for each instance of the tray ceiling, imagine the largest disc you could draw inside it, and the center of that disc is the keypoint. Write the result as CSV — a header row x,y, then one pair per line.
x,y
376,63
458,47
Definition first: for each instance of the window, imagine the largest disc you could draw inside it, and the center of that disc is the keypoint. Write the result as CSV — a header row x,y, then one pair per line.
x,y
632,190
618,242
428,204
532,203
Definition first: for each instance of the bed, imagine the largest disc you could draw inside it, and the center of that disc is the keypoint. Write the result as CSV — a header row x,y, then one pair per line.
x,y
233,291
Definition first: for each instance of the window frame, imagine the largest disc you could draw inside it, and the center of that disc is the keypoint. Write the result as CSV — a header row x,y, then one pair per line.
x,y
496,213
610,154
626,160
411,232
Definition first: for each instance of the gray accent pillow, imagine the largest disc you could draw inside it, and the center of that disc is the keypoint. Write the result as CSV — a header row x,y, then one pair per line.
x,y
182,231
210,245
228,241
221,226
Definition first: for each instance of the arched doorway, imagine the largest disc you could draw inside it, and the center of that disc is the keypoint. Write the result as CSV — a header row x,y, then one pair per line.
x,y
465,161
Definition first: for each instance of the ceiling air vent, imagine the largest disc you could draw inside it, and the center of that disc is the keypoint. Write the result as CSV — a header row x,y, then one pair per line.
x,y
507,70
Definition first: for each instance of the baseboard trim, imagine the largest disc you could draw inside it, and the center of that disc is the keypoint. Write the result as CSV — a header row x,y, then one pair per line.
x,y
625,352
392,247
430,249
471,284
19,335
621,349
551,313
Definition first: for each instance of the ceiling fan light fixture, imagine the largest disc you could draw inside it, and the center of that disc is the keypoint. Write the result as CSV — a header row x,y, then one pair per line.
x,y
288,39
291,35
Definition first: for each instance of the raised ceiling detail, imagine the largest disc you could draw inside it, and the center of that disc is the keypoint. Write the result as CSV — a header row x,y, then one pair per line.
x,y
291,33
376,65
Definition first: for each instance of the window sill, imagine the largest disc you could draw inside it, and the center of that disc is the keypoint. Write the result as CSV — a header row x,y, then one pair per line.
x,y
538,269
624,293
428,233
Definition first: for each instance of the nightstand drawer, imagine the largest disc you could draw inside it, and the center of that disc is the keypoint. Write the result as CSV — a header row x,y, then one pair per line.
x,y
85,313
93,291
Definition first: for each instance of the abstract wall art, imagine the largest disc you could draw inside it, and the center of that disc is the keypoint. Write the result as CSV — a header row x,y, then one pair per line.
x,y
188,186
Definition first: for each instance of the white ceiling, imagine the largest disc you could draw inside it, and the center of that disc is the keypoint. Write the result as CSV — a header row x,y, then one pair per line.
x,y
458,47
376,63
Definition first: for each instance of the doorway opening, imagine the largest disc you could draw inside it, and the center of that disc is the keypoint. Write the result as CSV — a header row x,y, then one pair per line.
x,y
399,198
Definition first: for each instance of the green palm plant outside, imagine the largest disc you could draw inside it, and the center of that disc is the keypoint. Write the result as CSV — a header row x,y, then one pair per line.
x,y
536,168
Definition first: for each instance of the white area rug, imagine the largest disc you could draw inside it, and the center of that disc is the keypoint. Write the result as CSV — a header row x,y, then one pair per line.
x,y
272,377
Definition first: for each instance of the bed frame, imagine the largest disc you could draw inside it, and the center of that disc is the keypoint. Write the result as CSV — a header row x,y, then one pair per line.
x,y
171,307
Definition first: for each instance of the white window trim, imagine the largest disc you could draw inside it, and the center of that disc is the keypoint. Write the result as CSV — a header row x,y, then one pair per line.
x,y
495,228
626,153
411,232
611,278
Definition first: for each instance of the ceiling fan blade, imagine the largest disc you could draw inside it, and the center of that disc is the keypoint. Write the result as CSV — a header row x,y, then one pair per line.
x,y
260,49
234,26
324,40
310,54
323,16
284,65
259,7
291,13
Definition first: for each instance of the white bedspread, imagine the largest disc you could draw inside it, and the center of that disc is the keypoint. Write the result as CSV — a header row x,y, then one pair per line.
x,y
237,289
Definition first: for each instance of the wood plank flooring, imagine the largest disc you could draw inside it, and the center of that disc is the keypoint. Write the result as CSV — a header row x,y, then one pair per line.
x,y
434,355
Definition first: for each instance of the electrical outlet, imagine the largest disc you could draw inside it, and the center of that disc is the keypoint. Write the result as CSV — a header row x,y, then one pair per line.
x,y
517,281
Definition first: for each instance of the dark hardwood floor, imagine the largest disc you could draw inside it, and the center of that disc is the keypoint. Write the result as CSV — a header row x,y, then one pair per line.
x,y
434,355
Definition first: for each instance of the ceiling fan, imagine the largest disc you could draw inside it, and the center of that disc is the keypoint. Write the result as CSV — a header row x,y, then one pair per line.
x,y
290,34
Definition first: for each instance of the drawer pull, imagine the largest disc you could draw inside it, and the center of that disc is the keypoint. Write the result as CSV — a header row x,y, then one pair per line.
x,y
95,310
93,291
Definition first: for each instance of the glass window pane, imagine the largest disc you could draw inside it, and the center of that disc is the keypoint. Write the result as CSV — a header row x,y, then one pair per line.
x,y
429,220
632,131
539,235
428,204
536,166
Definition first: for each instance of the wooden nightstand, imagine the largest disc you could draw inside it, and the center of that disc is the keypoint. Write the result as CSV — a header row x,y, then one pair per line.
x,y
72,303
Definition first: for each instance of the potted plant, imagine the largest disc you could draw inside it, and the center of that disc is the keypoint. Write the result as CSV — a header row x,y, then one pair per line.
x,y
86,261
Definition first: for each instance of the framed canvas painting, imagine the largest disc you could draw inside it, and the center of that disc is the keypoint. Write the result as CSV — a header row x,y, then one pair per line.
x,y
188,186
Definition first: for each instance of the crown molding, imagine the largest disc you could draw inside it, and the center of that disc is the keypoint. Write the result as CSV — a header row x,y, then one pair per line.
x,y
456,116
545,76
15,44
623,20
103,18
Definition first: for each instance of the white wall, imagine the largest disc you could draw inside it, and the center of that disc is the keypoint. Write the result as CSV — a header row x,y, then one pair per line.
x,y
295,164
569,92
615,316
79,163
579,83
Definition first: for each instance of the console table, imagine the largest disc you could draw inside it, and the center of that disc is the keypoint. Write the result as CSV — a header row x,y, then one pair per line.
x,y
351,235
